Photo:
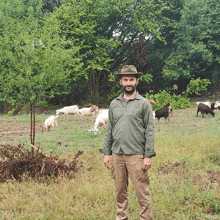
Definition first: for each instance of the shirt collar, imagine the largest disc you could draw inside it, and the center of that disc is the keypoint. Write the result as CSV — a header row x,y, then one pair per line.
x,y
137,96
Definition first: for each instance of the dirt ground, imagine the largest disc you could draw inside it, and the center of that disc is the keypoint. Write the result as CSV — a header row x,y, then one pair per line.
x,y
10,130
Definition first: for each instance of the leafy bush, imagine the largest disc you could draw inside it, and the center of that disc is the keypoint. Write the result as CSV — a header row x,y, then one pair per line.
x,y
115,92
163,97
10,113
197,85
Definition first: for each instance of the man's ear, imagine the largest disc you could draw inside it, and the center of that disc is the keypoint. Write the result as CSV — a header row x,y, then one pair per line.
x,y
120,81
137,81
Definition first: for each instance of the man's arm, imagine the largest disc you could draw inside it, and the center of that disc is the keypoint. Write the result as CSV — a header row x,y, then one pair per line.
x,y
149,131
108,135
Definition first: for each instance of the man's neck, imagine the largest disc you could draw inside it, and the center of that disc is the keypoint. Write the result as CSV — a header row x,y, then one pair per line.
x,y
129,96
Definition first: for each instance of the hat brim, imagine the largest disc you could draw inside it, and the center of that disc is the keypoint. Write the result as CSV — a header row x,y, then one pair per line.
x,y
139,74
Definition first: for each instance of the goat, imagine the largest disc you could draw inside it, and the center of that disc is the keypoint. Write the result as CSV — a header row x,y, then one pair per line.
x,y
153,114
86,111
163,112
95,113
101,120
205,103
170,110
98,111
50,122
67,110
215,105
152,102
204,109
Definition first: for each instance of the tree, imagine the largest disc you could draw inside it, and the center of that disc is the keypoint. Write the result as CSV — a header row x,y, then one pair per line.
x,y
196,41
33,64
50,6
158,51
106,32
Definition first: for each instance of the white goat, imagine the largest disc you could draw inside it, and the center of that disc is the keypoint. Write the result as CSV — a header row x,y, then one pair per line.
x,y
86,111
67,110
217,105
50,122
205,103
153,115
97,111
101,120
152,102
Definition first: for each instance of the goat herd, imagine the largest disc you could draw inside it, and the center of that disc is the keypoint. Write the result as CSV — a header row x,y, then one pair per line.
x,y
101,115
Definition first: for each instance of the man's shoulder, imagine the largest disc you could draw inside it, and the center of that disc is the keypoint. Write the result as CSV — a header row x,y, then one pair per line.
x,y
143,99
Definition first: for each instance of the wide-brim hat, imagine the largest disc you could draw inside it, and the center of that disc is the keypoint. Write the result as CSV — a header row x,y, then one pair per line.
x,y
129,70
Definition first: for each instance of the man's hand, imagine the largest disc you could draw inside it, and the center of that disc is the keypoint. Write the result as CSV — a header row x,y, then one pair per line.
x,y
107,161
146,163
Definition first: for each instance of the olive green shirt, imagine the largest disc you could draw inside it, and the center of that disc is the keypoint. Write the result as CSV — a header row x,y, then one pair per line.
x,y
130,128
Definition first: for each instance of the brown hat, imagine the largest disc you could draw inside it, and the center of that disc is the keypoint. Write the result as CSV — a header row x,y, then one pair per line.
x,y
129,70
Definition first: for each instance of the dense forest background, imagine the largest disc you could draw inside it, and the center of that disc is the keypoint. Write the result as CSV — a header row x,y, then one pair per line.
x,y
66,52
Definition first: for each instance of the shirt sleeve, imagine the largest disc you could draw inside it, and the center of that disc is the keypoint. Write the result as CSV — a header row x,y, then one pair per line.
x,y
107,149
149,132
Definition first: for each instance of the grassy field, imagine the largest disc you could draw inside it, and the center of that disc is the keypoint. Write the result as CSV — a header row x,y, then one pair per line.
x,y
184,178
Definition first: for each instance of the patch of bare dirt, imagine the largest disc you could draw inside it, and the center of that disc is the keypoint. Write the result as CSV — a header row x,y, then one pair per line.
x,y
214,177
11,130
176,167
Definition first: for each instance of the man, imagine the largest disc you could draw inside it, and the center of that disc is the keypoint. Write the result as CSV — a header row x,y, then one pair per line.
x,y
129,138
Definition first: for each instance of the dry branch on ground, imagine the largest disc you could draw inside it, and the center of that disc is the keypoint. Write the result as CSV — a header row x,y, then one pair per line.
x,y
19,163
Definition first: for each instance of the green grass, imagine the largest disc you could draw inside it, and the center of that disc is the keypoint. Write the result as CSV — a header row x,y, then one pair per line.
x,y
184,178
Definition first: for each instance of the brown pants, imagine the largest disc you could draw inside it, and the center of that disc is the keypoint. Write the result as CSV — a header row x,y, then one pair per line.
x,y
122,165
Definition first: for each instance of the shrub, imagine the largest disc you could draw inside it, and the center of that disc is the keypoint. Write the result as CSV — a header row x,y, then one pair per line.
x,y
197,85
10,113
115,92
163,97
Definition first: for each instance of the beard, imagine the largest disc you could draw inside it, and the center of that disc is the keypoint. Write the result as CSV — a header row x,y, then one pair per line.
x,y
130,91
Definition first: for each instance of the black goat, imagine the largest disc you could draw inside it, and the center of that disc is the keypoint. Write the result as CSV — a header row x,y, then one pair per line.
x,y
170,109
162,113
204,109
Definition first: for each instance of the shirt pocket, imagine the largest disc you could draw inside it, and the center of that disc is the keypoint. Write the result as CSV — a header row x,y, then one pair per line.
x,y
137,115
136,120
137,112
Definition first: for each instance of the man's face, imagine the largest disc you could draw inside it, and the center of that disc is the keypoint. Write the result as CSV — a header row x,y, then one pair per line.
x,y
129,83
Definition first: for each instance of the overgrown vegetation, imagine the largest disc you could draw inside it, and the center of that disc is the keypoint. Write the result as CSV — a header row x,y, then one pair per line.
x,y
181,101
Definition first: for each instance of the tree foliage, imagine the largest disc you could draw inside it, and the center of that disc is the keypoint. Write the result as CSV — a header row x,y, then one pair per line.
x,y
196,41
107,33
51,47
33,64
196,86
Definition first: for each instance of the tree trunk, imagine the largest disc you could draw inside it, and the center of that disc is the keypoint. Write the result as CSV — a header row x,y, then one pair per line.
x,y
94,82
31,123
32,133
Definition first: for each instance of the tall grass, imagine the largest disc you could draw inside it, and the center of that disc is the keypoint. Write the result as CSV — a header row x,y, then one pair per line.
x,y
184,178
